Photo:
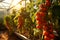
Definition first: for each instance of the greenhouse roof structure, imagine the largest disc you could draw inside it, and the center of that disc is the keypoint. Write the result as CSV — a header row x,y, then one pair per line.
x,y
6,4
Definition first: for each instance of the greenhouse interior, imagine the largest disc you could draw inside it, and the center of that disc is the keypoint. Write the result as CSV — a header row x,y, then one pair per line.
x,y
29,19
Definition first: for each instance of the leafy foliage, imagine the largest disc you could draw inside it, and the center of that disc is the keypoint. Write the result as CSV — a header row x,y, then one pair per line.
x,y
29,13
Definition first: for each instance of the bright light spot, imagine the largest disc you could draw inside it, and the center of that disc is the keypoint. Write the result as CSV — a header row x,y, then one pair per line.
x,y
15,2
35,7
23,3
18,7
28,1
7,1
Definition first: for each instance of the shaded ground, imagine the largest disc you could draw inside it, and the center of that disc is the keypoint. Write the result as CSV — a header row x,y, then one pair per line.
x,y
4,35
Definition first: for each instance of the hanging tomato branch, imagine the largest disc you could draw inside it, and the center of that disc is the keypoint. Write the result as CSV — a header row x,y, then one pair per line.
x,y
42,22
29,21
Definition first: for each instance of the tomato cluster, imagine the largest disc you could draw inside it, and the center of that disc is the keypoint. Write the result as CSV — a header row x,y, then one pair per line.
x,y
39,19
8,26
20,21
48,32
48,3
42,22
40,16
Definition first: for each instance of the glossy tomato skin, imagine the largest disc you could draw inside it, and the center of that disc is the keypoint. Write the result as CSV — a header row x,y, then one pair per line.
x,y
38,22
43,7
38,27
45,28
45,33
42,14
48,4
38,18
38,14
46,38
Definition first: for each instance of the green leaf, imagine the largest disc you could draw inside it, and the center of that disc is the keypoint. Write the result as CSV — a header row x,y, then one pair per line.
x,y
37,31
33,17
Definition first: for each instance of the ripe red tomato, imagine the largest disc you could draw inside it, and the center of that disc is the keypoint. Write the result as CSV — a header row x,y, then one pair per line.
x,y
45,28
38,26
42,14
41,6
48,4
44,9
38,18
38,22
51,36
45,33
38,14
46,38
